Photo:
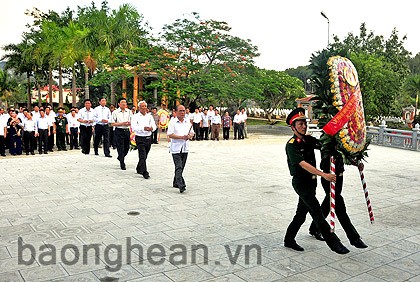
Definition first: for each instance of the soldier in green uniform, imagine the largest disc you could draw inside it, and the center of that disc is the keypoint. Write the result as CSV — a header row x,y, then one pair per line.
x,y
302,166
61,128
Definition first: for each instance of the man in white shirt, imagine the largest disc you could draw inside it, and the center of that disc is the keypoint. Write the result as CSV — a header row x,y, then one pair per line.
x,y
179,131
143,124
49,113
237,127
197,120
211,114
216,124
102,118
74,129
244,117
42,131
86,119
3,132
121,119
204,130
29,139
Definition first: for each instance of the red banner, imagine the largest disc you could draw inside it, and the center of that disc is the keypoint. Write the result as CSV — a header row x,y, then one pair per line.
x,y
342,117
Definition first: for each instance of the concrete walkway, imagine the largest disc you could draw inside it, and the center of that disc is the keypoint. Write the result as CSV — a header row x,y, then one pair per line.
x,y
238,203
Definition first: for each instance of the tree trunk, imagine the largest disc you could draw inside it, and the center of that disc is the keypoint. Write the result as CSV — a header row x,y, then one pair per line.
x,y
124,88
28,76
60,85
135,89
86,83
73,87
50,85
269,116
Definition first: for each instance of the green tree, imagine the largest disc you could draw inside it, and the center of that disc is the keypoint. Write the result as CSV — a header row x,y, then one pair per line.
x,y
275,88
414,64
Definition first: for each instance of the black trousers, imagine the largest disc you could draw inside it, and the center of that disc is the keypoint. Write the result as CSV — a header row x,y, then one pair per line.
x,y
30,141
74,137
112,137
204,133
340,209
155,136
237,131
51,139
306,188
86,136
2,145
143,148
180,160
101,131
122,139
60,140
226,133
43,140
196,128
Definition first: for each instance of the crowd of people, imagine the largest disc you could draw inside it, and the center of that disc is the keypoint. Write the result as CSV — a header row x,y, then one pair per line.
x,y
42,130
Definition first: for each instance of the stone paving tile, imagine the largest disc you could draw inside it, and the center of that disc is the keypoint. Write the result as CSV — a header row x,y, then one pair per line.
x,y
124,273
43,273
242,207
11,277
188,273
326,273
153,278
84,277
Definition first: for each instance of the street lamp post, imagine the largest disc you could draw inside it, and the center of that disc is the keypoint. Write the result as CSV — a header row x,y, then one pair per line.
x,y
328,20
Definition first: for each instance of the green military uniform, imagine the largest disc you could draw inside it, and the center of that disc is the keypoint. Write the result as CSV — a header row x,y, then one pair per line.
x,y
304,183
60,132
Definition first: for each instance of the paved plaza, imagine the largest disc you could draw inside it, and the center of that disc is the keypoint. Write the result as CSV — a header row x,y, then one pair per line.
x,y
238,203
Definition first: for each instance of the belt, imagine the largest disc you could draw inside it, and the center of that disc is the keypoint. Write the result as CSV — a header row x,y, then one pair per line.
x,y
124,129
86,125
144,137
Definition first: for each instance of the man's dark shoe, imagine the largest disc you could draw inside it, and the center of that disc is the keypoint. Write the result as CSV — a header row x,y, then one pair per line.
x,y
108,156
175,186
182,189
96,154
146,175
359,244
122,165
32,153
339,248
294,246
317,235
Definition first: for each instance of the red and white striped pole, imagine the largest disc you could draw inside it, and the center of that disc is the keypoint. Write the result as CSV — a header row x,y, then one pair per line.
x,y
332,196
365,190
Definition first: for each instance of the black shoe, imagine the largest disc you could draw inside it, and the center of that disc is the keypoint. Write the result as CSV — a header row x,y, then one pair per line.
x,y
3,155
122,165
108,156
359,244
59,149
339,248
175,186
182,189
27,153
294,246
46,152
146,175
51,150
96,154
317,235
77,148
32,153
64,149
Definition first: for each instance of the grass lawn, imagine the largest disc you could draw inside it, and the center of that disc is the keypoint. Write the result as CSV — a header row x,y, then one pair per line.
x,y
259,121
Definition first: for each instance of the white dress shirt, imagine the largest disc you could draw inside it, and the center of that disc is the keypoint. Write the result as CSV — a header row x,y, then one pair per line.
x,y
102,113
35,115
29,125
196,117
85,114
43,123
139,121
179,128
73,122
3,124
237,118
216,119
119,116
205,120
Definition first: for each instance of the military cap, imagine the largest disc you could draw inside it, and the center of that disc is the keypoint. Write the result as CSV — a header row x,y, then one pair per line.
x,y
296,114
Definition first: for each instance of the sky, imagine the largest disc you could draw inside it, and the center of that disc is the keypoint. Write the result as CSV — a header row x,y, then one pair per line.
x,y
285,32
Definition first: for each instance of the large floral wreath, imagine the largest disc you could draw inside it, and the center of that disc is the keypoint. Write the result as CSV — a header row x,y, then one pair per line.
x,y
339,107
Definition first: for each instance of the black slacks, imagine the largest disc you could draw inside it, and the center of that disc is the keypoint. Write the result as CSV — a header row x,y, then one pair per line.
x,y
86,136
226,133
74,137
51,139
155,136
143,148
101,131
180,160
340,209
122,139
196,128
308,202
204,133
29,140
43,140
2,145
